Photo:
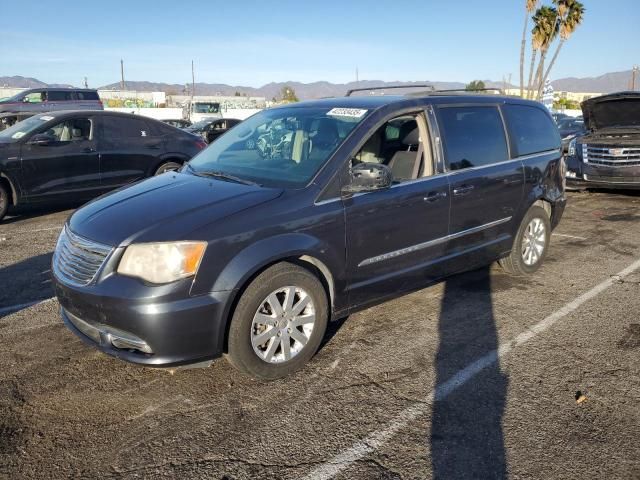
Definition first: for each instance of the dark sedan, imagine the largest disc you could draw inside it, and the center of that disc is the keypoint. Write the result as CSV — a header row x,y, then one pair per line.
x,y
211,128
77,155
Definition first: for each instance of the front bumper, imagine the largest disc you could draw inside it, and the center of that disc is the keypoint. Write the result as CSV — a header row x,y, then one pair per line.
x,y
580,174
166,330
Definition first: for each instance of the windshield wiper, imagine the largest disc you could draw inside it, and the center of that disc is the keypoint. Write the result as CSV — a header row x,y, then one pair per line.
x,y
221,176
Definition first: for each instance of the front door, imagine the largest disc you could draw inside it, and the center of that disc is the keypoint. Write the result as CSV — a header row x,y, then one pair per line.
x,y
397,237
486,186
65,168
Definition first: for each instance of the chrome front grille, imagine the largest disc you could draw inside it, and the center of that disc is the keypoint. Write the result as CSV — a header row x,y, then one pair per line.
x,y
78,260
611,156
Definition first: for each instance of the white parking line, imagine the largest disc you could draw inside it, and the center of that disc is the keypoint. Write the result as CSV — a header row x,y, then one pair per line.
x,y
21,306
568,236
378,438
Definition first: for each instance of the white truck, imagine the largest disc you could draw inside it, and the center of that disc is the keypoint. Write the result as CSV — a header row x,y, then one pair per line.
x,y
198,110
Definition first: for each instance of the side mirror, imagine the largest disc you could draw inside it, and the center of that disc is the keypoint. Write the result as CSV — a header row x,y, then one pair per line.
x,y
368,177
42,139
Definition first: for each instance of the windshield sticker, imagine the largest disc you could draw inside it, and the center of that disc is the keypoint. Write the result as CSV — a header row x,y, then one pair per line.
x,y
18,135
347,112
46,118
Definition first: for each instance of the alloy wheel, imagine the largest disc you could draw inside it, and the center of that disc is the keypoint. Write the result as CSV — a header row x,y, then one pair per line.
x,y
283,324
533,242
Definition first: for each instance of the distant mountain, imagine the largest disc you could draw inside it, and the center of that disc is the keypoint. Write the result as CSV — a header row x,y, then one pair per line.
x,y
609,82
270,90
27,82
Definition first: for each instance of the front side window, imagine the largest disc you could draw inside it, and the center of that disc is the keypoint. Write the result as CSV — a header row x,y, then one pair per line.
x,y
22,129
35,97
472,136
74,130
532,129
59,96
282,147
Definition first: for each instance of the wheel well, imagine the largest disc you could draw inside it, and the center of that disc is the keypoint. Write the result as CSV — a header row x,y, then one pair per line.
x,y
309,263
545,205
167,160
10,190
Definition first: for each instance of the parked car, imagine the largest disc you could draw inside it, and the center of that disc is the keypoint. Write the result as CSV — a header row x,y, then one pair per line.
x,y
354,200
559,116
211,129
569,129
608,154
178,123
41,100
76,155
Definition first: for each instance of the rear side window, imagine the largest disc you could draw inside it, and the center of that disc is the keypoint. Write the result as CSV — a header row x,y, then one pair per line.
x,y
531,129
472,136
59,96
121,127
87,95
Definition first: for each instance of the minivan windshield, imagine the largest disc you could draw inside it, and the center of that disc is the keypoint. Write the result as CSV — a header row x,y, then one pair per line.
x,y
283,147
15,132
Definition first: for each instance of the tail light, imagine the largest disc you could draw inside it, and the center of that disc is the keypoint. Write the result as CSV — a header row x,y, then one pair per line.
x,y
201,144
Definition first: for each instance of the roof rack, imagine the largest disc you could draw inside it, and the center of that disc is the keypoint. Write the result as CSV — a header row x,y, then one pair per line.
x,y
422,85
457,90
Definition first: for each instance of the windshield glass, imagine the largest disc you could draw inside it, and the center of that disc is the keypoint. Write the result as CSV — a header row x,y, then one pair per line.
x,y
20,129
199,125
283,147
201,107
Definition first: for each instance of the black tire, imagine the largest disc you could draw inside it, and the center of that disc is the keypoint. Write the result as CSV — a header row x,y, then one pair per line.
x,y
515,263
167,167
241,353
5,200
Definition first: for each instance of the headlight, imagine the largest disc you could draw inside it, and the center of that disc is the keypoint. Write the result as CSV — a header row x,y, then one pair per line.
x,y
572,148
162,262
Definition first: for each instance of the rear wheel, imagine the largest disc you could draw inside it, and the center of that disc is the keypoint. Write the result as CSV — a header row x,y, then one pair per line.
x,y
278,323
167,167
4,200
530,245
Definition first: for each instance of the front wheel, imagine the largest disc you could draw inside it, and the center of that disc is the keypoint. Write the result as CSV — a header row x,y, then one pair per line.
x,y
4,201
167,167
279,322
530,245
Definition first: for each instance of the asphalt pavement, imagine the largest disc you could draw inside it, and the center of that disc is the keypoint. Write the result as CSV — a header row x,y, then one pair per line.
x,y
481,376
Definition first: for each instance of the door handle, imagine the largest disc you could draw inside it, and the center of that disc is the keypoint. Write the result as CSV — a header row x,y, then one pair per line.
x,y
434,196
463,189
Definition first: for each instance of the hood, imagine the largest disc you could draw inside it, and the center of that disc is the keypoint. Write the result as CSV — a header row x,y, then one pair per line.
x,y
164,208
609,111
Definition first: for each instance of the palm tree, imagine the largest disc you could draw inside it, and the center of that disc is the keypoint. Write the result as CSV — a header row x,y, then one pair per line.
x,y
529,7
570,16
546,19
539,36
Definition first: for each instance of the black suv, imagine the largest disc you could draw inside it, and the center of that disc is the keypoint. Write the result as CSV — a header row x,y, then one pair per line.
x,y
608,155
354,200
41,100
74,156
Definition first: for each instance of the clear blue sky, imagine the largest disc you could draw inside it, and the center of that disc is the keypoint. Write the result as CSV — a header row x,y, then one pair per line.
x,y
253,42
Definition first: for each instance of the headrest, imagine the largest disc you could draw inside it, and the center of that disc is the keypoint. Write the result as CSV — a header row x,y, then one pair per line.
x,y
76,132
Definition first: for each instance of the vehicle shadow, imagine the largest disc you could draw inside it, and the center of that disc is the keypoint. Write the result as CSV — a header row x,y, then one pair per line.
x,y
466,432
24,213
25,282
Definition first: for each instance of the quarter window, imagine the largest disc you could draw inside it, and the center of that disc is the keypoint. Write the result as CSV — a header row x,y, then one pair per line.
x,y
472,136
532,129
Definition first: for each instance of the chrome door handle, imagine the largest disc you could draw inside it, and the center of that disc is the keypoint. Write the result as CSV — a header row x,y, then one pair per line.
x,y
434,196
463,189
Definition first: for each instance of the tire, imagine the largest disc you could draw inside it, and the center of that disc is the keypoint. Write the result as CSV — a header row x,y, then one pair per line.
x,y
5,200
255,319
536,228
168,167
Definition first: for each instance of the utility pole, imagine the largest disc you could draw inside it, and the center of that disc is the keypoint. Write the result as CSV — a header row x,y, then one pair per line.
x,y
634,72
121,74
86,84
193,81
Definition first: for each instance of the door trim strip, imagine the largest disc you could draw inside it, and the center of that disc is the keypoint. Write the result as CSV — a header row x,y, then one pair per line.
x,y
431,243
